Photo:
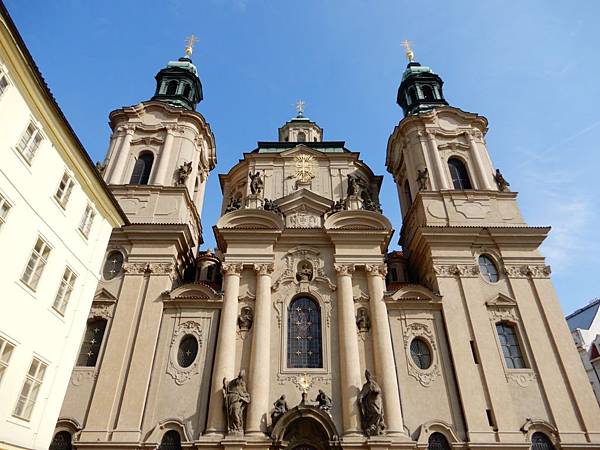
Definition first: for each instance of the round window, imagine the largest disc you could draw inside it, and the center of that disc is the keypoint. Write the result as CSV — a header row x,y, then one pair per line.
x,y
113,265
488,269
420,353
188,350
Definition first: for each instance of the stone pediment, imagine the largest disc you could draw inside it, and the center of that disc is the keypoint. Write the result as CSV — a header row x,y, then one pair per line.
x,y
304,209
194,291
103,295
303,149
501,301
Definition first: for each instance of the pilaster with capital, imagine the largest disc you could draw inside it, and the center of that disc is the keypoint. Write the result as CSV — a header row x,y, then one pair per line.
x,y
165,159
117,175
382,348
260,357
224,365
442,180
350,376
481,173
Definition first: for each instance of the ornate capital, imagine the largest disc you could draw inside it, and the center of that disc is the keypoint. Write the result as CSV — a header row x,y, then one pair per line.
x,y
456,270
232,268
135,268
376,270
162,268
264,269
129,129
344,269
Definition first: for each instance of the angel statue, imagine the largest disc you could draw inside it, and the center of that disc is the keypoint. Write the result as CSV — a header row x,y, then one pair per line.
x,y
236,400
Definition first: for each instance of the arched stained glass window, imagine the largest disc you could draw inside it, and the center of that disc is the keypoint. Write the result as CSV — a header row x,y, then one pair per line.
x,y
510,346
61,441
420,353
539,441
170,441
142,168
92,342
304,334
488,269
188,350
113,265
460,176
437,441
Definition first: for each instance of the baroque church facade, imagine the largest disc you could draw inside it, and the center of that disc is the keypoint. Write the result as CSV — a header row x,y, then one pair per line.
x,y
301,330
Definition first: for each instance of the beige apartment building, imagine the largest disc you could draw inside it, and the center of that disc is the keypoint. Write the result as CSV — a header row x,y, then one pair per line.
x,y
301,330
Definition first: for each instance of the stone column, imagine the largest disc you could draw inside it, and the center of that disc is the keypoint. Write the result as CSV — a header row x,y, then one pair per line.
x,y
481,172
258,383
161,176
428,162
224,365
437,162
116,177
383,354
348,347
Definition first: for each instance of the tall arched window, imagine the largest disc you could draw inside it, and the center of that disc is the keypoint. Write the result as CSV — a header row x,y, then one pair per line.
x,y
170,441
304,334
510,346
172,87
412,96
92,342
301,136
142,168
437,441
427,92
539,441
61,441
460,176
186,90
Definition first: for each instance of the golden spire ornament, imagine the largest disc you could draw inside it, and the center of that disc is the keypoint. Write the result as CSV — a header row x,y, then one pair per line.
x,y
189,45
410,55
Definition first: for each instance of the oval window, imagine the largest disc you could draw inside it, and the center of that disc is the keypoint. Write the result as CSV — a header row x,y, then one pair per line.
x,y
420,353
488,269
188,350
113,265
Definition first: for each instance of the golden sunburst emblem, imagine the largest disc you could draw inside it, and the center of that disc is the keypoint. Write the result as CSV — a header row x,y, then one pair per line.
x,y
305,168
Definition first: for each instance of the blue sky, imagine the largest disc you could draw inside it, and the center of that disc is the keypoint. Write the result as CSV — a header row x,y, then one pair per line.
x,y
530,67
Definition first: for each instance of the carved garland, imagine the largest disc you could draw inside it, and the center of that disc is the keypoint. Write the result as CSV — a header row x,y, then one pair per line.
x,y
182,375
148,268
456,270
424,376
528,271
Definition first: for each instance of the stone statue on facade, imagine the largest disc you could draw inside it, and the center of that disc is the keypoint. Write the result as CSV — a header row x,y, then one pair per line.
x,y
270,205
305,272
324,402
281,407
256,183
363,323
245,319
501,182
236,400
422,178
234,204
356,186
337,206
183,172
101,167
370,404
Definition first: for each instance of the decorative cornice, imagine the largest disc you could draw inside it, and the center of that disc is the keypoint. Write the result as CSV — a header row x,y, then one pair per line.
x,y
136,268
376,270
528,271
344,269
232,268
456,270
264,269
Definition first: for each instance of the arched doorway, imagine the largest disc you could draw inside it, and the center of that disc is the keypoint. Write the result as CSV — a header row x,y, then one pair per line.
x,y
305,428
306,434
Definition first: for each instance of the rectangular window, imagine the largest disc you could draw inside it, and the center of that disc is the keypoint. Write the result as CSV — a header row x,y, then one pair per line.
x,y
510,346
86,220
4,208
29,143
64,291
6,349
35,266
3,83
64,190
31,389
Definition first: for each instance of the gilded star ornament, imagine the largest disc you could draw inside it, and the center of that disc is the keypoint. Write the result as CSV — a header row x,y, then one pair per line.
x,y
305,382
304,168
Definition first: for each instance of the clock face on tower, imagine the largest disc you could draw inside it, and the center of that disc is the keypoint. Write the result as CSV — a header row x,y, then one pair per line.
x,y
304,168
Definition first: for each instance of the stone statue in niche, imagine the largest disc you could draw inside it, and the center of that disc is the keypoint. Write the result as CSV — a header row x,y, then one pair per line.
x,y
370,404
236,400
256,183
245,319
422,178
324,402
183,172
356,186
101,167
501,182
281,407
234,204
363,322
305,271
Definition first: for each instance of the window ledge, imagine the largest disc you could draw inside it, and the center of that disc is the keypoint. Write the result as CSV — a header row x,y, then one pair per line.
x,y
61,207
21,158
26,288
60,316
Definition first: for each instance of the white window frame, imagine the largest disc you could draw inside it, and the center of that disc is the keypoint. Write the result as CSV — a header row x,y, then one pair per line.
x,y
67,284
29,149
6,349
30,390
39,259
87,220
64,190
5,207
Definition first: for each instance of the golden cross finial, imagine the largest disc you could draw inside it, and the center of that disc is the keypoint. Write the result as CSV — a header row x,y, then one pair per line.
x,y
300,107
410,55
189,45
